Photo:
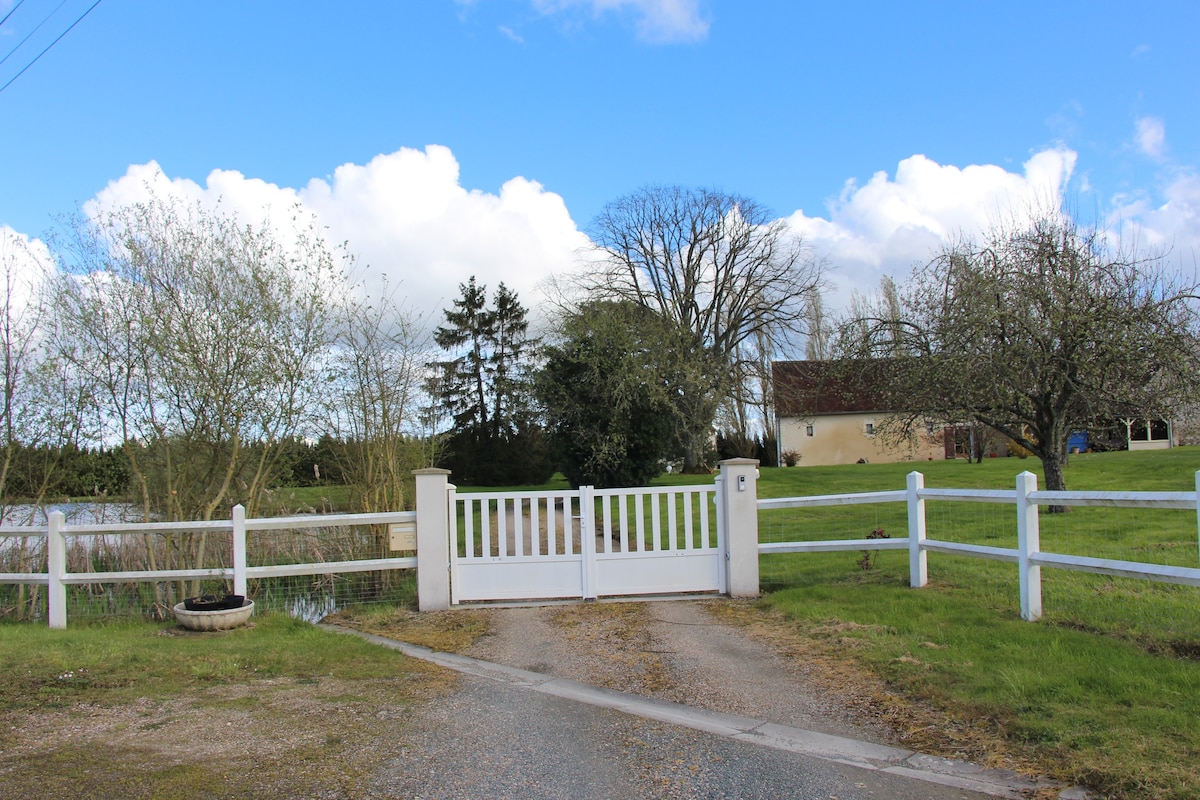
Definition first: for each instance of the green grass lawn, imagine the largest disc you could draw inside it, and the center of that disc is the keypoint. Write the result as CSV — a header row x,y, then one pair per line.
x,y
119,661
305,499
1105,690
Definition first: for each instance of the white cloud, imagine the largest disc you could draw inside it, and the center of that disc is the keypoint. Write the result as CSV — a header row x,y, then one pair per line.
x,y
657,21
1150,137
889,224
1171,227
405,216
511,34
25,264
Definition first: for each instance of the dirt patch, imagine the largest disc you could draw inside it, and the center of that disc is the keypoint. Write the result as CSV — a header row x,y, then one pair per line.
x,y
446,631
601,644
279,737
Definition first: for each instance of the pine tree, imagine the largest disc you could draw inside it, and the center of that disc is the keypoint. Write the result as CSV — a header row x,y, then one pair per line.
x,y
494,438
465,380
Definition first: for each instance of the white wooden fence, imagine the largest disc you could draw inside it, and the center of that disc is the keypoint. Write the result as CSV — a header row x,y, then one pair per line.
x,y
1028,555
57,577
684,534
737,508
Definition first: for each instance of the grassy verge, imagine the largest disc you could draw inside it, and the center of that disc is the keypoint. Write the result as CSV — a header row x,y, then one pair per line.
x,y
278,709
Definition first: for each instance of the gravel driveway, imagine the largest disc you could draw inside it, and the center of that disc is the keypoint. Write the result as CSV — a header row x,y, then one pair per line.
x,y
671,650
501,740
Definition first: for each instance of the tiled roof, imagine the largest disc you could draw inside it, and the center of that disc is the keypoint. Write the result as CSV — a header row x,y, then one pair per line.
x,y
805,388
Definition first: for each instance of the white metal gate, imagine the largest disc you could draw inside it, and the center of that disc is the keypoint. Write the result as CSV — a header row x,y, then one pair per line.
x,y
586,544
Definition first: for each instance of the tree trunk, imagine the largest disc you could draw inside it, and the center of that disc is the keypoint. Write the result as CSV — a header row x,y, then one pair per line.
x,y
1052,466
693,453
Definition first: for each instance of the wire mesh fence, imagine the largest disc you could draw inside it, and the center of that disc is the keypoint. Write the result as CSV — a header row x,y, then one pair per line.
x,y
310,596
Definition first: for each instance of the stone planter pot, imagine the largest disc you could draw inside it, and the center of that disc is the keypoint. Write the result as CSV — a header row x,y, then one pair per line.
x,y
216,620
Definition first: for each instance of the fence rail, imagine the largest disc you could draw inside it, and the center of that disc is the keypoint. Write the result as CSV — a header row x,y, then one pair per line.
x,y
862,498
58,575
1028,555
616,525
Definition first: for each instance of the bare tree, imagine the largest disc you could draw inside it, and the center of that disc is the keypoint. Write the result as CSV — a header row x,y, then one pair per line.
x,y
374,387
200,337
717,266
22,316
818,328
1034,331
41,409
746,419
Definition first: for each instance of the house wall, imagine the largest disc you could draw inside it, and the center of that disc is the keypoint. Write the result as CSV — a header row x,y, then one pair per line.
x,y
842,439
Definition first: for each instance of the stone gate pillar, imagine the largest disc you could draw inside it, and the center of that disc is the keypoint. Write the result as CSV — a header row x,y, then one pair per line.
x,y
433,539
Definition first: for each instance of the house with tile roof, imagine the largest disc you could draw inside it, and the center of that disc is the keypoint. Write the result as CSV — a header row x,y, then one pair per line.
x,y
829,415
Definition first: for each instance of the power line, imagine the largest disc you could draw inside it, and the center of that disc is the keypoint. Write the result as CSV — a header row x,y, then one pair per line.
x,y
60,36
37,28
10,13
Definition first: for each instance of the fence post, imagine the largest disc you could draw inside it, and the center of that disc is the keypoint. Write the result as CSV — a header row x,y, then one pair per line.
x,y
587,540
718,500
56,569
739,506
1029,542
918,559
1198,510
239,549
433,539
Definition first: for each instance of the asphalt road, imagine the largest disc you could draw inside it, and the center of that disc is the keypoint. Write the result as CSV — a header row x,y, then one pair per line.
x,y
493,740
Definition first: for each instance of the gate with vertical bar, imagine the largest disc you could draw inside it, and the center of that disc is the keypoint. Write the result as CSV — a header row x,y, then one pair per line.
x,y
586,544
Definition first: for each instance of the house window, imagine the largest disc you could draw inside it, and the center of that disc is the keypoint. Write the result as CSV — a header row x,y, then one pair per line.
x,y
870,429
808,430
1149,430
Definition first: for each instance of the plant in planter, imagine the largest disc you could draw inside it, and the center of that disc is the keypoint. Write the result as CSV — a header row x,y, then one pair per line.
x,y
212,613
211,602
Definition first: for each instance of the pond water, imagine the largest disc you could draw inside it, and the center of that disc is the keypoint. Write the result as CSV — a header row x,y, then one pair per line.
x,y
90,513
313,608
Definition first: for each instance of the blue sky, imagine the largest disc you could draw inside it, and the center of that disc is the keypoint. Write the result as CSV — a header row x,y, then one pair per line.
x,y
445,138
